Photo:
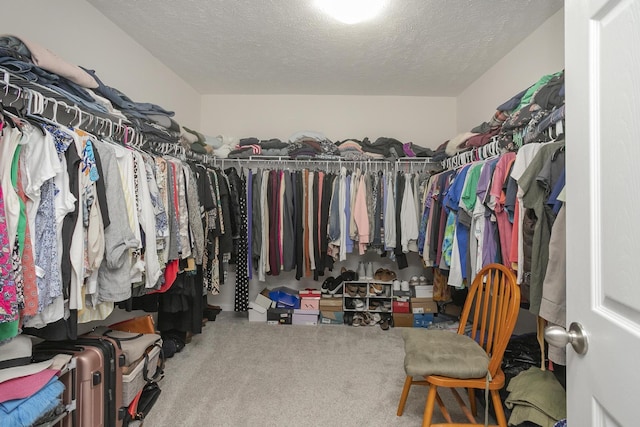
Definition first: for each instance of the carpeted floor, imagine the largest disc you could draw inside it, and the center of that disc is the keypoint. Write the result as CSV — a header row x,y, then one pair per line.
x,y
238,373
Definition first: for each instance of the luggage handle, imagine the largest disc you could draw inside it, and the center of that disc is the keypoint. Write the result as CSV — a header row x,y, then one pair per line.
x,y
159,369
118,340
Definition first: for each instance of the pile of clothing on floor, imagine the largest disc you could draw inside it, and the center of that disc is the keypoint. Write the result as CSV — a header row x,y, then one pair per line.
x,y
536,396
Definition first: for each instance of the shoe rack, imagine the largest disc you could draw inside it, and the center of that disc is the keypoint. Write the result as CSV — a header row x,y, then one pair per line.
x,y
372,296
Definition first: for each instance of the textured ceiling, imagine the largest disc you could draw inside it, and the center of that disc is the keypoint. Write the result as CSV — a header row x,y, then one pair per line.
x,y
416,47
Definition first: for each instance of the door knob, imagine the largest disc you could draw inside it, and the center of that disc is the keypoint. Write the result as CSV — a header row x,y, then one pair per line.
x,y
576,336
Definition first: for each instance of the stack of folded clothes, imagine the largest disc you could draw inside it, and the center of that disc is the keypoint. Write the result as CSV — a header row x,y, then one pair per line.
x,y
81,86
218,146
30,393
252,147
351,149
312,145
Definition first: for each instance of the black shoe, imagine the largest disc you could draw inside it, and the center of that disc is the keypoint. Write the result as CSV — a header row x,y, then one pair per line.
x,y
328,283
348,319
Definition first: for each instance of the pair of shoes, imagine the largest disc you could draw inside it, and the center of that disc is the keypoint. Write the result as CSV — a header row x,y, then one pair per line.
x,y
357,290
386,321
325,285
384,275
332,286
365,270
354,304
364,319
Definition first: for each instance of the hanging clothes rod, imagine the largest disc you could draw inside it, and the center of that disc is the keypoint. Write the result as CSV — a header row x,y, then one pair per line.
x,y
57,109
491,149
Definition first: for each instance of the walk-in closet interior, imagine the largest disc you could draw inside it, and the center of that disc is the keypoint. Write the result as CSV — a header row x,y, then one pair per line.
x,y
246,212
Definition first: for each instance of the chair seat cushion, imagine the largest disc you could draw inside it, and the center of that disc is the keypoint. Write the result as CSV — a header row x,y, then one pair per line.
x,y
438,352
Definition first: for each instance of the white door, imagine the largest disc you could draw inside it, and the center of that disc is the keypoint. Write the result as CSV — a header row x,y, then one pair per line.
x,y
602,58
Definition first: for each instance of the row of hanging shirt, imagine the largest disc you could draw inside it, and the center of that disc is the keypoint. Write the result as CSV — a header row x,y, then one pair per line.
x,y
85,220
500,209
327,215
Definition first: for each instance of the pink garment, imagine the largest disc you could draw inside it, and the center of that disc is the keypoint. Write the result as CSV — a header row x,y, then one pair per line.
x,y
8,297
49,61
504,226
319,191
361,217
23,387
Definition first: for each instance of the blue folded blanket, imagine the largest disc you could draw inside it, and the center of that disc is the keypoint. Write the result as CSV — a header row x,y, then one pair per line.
x,y
25,412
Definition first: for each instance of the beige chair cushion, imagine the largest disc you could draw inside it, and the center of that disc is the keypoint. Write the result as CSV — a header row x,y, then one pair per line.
x,y
438,352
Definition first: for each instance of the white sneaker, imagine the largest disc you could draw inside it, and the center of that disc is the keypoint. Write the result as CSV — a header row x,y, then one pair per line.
x,y
369,271
404,286
361,271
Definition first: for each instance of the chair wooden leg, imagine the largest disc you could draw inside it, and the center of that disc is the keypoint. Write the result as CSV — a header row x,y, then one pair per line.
x,y
472,401
428,408
404,395
497,407
443,408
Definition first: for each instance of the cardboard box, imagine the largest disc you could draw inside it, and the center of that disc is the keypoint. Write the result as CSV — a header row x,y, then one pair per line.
x,y
423,305
305,317
401,307
310,293
257,313
332,317
423,291
310,304
282,316
331,304
422,320
264,302
403,320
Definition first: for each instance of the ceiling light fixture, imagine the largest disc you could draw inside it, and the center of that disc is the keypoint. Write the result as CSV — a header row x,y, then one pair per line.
x,y
351,11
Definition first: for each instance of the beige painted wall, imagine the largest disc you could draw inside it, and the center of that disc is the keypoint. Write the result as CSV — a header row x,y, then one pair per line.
x,y
80,34
426,121
539,54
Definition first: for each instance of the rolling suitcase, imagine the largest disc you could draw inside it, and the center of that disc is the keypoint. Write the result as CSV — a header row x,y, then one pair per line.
x,y
94,388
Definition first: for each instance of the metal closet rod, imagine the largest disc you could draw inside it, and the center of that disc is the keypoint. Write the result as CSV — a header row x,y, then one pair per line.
x,y
320,161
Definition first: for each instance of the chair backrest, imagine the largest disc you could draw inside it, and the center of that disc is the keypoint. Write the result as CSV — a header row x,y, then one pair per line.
x,y
493,302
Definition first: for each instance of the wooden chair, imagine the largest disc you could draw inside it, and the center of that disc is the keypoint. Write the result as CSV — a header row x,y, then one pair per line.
x,y
493,303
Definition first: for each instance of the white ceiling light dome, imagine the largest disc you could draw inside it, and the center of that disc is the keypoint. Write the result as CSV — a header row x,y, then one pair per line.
x,y
351,11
